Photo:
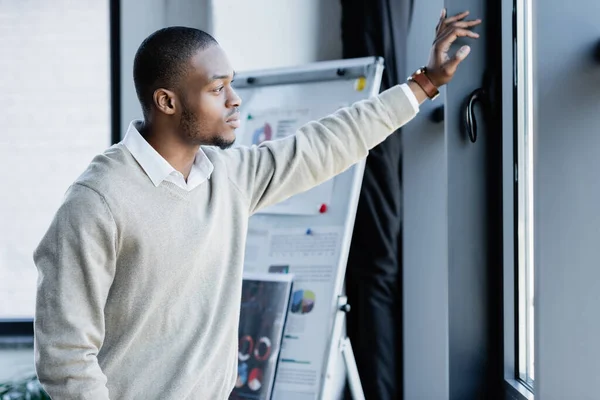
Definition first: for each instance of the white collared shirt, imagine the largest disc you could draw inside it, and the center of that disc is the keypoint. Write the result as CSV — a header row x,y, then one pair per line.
x,y
158,169
411,97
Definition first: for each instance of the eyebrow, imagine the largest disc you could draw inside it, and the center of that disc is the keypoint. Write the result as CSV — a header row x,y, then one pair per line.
x,y
217,77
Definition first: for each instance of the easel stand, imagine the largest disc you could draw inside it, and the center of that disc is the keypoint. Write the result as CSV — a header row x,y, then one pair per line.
x,y
345,348
351,370
296,94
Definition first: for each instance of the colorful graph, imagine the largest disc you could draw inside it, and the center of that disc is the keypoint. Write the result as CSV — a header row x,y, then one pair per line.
x,y
303,301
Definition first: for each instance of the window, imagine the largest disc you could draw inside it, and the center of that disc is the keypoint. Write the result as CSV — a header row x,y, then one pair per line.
x,y
524,206
55,113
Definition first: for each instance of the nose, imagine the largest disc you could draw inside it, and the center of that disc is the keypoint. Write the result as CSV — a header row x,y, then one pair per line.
x,y
233,100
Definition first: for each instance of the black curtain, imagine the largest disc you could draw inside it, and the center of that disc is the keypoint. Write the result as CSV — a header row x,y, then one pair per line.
x,y
374,273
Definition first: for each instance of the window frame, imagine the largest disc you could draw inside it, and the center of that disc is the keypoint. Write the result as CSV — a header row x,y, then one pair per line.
x,y
523,117
515,389
19,331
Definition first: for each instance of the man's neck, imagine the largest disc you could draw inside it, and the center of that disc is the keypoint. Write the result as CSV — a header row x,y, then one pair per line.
x,y
168,144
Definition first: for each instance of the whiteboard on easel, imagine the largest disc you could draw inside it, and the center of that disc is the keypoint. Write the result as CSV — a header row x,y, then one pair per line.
x,y
309,234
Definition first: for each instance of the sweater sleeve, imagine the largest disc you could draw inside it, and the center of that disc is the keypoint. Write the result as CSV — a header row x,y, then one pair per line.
x,y
76,266
276,170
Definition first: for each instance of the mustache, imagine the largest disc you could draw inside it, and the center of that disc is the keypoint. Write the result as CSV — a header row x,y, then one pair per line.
x,y
233,112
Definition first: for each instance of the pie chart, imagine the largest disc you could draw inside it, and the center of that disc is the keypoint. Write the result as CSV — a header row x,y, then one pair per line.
x,y
262,134
303,301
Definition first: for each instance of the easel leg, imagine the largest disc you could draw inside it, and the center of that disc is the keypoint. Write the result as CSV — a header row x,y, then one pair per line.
x,y
341,344
352,371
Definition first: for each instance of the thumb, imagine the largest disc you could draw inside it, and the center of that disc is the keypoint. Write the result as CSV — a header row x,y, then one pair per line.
x,y
460,55
463,52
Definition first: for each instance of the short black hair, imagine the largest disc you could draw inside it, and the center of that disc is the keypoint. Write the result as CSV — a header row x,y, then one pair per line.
x,y
162,58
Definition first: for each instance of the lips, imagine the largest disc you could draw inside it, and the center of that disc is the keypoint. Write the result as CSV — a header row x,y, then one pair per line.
x,y
235,123
234,120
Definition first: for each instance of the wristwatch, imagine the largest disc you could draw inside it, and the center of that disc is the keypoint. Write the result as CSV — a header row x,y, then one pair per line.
x,y
420,78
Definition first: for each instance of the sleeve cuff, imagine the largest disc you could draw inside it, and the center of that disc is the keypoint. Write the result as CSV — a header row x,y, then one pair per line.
x,y
397,102
411,97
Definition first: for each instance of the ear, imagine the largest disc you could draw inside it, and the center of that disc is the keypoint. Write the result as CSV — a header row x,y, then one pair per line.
x,y
165,100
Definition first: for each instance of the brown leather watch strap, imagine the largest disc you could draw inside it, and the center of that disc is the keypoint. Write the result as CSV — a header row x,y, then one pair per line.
x,y
420,77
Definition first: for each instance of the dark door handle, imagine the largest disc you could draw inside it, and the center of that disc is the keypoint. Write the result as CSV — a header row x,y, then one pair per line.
x,y
470,119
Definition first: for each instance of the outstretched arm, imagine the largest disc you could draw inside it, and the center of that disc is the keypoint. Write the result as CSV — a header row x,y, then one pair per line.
x,y
319,150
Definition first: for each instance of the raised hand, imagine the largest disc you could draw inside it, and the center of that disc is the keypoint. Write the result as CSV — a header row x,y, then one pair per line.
x,y
441,66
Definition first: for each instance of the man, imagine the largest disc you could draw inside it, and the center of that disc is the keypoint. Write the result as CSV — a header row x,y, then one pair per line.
x,y
140,271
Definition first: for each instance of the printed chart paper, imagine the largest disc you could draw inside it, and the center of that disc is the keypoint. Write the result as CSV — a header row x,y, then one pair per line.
x,y
311,256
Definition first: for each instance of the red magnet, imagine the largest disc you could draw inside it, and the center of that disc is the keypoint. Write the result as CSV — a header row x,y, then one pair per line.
x,y
323,208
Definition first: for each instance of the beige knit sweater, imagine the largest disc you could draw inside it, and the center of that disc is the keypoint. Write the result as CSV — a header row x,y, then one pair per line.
x,y
139,286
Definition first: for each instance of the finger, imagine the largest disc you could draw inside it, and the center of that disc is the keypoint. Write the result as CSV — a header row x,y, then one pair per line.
x,y
466,24
460,24
447,38
442,17
452,20
457,17
460,55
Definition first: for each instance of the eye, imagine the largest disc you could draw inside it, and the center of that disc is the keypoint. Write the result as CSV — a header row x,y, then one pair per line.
x,y
219,89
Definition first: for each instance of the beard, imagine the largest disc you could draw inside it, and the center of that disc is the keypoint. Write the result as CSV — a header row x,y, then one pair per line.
x,y
189,127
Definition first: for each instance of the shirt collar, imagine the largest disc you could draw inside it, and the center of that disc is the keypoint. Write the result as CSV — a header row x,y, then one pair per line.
x,y
155,166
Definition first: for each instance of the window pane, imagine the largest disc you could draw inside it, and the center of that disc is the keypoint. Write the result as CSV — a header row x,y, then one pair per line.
x,y
525,230
55,113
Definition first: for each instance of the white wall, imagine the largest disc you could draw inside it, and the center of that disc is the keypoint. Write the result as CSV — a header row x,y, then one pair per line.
x,y
274,33
55,110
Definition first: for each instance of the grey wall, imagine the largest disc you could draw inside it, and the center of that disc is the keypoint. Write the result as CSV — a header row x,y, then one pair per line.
x,y
290,33
425,237
451,229
566,200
